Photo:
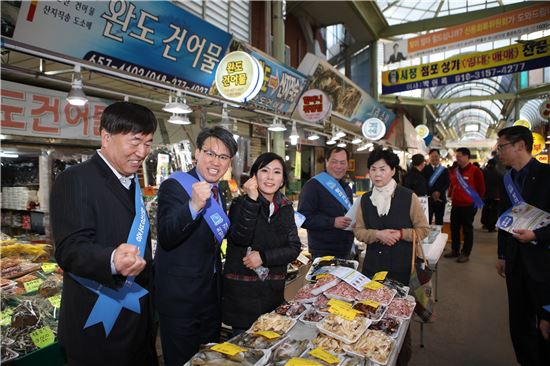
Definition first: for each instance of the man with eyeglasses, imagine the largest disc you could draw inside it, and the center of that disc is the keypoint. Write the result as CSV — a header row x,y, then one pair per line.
x,y
191,225
324,201
524,257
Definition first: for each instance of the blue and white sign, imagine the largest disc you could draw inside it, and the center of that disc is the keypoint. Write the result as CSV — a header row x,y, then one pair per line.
x,y
151,39
373,129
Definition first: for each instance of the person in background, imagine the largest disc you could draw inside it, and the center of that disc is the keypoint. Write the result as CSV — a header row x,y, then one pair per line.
x,y
414,180
263,220
467,188
324,201
386,219
493,180
191,225
396,56
524,255
93,206
438,183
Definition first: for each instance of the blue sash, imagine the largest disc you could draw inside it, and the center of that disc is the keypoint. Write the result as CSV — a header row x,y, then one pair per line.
x,y
478,202
334,188
110,302
436,174
512,189
213,213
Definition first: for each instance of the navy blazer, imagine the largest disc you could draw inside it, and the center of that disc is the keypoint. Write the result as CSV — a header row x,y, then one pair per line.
x,y
187,256
441,184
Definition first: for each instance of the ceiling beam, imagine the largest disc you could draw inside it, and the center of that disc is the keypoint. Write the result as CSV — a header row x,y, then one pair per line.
x,y
450,20
371,16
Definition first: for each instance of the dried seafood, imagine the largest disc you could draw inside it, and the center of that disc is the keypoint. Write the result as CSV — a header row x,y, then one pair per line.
x,y
273,322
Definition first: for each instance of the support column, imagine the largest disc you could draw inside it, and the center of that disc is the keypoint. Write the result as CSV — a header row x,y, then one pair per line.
x,y
373,52
278,145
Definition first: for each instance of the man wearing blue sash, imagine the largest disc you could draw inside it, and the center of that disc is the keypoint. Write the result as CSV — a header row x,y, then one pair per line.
x,y
467,188
324,201
524,257
191,226
101,234
438,183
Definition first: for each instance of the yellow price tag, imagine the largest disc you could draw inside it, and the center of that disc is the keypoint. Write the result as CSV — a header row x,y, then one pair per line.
x,y
347,314
319,276
324,356
370,303
373,285
326,258
49,267
42,337
227,348
380,276
268,334
5,317
339,303
34,285
297,361
55,301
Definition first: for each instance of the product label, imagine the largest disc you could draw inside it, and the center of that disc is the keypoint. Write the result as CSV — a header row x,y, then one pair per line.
x,y
5,317
42,337
347,314
380,276
49,267
268,334
326,258
227,349
297,361
370,303
55,301
373,285
324,356
31,286
339,303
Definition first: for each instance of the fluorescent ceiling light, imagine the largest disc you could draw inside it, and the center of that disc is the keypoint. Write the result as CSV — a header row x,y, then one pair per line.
x,y
471,128
331,142
8,154
76,94
313,137
294,131
356,140
340,134
277,126
341,144
179,119
177,106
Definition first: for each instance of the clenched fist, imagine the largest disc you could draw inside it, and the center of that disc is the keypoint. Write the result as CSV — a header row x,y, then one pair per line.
x,y
251,188
200,193
127,260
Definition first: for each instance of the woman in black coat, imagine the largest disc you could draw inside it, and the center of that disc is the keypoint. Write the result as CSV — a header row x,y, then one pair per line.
x,y
262,219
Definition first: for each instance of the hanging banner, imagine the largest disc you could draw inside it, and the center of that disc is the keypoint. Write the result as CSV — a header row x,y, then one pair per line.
x,y
349,102
314,106
151,39
501,26
527,55
39,112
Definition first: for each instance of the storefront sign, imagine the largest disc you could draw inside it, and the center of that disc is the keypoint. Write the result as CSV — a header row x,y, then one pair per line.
x,y
151,39
544,109
281,87
39,112
314,106
506,60
373,129
422,131
349,102
538,144
239,77
501,26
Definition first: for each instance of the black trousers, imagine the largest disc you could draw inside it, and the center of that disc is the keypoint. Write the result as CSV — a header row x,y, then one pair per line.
x,y
436,208
489,213
462,218
181,337
530,347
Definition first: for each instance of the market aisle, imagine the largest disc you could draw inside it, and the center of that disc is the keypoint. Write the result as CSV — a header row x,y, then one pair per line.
x,y
472,313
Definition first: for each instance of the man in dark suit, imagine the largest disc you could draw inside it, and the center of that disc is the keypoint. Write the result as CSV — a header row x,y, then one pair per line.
x,y
414,179
524,256
396,56
187,262
437,186
92,210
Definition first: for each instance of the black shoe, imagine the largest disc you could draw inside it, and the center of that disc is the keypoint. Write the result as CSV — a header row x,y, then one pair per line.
x,y
463,258
451,254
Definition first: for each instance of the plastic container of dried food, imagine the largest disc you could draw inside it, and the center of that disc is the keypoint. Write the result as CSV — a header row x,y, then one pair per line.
x,y
401,307
349,334
383,295
274,322
372,315
389,325
375,342
304,318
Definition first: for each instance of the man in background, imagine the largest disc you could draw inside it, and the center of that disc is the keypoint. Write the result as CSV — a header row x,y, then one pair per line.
x,y
415,179
438,183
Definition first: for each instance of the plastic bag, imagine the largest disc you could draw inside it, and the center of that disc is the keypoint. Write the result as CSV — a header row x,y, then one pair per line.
x,y
261,271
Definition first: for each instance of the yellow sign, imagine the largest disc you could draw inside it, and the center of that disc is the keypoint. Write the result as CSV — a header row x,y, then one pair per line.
x,y
543,158
339,303
347,314
522,122
297,361
538,143
5,317
268,334
227,349
380,276
49,267
55,301
324,356
374,285
298,165
326,258
370,303
239,76
42,337
34,285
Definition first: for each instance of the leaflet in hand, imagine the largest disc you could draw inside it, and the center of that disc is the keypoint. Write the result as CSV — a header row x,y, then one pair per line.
x,y
352,213
523,216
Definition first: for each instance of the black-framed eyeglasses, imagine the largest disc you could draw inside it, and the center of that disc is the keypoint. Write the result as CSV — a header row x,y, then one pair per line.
x,y
501,146
221,157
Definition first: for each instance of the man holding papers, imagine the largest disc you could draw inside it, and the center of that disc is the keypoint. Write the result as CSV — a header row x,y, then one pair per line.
x,y
324,201
523,254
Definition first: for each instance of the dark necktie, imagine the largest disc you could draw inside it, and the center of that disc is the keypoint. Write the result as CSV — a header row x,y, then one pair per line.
x,y
215,192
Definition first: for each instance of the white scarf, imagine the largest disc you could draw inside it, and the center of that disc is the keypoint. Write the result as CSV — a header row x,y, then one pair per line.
x,y
381,197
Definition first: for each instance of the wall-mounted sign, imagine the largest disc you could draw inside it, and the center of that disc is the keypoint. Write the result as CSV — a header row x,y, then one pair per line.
x,y
518,57
522,122
544,109
239,77
373,129
422,131
38,112
314,106
538,144
151,39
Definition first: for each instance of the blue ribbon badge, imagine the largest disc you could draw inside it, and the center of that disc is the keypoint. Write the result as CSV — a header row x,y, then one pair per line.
x,y
478,202
110,302
334,188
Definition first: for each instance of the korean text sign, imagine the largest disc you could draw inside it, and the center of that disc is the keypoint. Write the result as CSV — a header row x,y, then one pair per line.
x,y
152,39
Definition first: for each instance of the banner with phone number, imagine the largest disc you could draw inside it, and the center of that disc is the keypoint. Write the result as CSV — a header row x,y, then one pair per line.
x,y
519,57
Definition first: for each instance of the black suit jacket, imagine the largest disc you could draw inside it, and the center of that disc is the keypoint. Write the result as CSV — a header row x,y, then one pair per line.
x,y
91,214
186,256
441,184
534,258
